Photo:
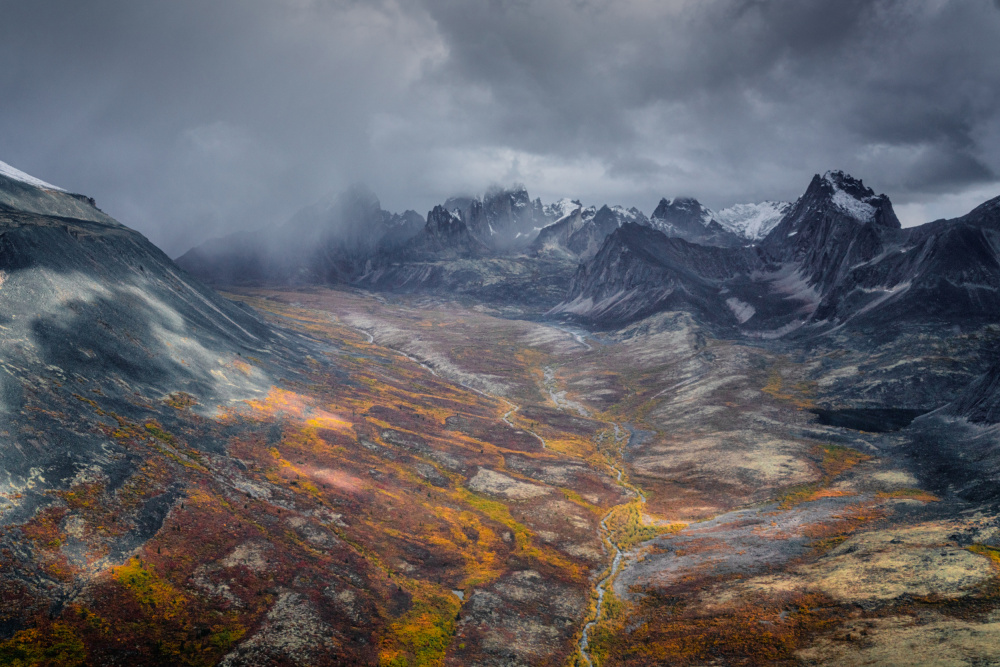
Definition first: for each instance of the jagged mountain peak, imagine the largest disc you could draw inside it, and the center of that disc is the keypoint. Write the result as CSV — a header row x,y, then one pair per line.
x,y
838,178
562,208
682,206
516,192
689,219
834,200
630,214
851,197
444,223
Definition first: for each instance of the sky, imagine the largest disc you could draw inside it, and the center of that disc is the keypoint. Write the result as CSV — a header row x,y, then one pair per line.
x,y
189,119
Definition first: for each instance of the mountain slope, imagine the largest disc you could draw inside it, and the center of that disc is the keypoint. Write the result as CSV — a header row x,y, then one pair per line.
x,y
579,234
639,271
87,301
686,218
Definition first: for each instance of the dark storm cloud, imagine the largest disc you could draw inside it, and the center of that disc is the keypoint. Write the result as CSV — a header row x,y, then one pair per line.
x,y
187,119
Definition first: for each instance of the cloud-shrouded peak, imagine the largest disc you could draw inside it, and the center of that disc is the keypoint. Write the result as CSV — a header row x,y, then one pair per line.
x,y
562,207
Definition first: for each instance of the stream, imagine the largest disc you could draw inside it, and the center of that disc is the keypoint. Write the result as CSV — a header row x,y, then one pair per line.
x,y
583,646
602,586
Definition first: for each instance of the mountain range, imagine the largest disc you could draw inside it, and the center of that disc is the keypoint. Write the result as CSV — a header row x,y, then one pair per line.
x,y
837,257
349,239
835,260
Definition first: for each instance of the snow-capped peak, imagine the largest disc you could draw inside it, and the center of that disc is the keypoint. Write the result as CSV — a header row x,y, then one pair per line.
x,y
684,206
562,208
18,175
752,221
627,214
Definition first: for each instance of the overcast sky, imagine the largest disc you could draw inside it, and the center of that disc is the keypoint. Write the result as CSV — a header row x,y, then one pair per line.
x,y
190,118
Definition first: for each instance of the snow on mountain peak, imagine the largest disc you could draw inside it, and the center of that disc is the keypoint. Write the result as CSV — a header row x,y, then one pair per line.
x,y
562,208
857,209
691,206
752,221
627,214
18,175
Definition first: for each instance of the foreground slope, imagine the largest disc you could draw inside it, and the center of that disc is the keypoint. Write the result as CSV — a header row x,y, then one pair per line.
x,y
89,303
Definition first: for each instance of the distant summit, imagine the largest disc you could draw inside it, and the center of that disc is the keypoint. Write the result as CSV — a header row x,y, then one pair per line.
x,y
752,222
579,234
688,219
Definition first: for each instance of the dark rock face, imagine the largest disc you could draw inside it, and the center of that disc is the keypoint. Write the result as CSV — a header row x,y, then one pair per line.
x,y
639,271
836,224
445,236
504,219
981,401
686,218
580,234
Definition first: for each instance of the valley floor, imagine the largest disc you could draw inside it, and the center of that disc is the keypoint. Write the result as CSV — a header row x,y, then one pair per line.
x,y
446,486
750,532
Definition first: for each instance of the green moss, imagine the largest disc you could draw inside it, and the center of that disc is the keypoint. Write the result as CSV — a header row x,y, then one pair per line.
x,y
628,529
158,433
993,553
57,645
423,634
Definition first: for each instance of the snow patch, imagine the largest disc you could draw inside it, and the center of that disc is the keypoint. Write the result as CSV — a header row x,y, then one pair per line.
x,y
857,209
18,175
752,221
626,214
562,208
742,310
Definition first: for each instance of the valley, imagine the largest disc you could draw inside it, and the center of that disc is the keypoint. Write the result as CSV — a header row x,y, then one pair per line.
x,y
802,529
616,447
